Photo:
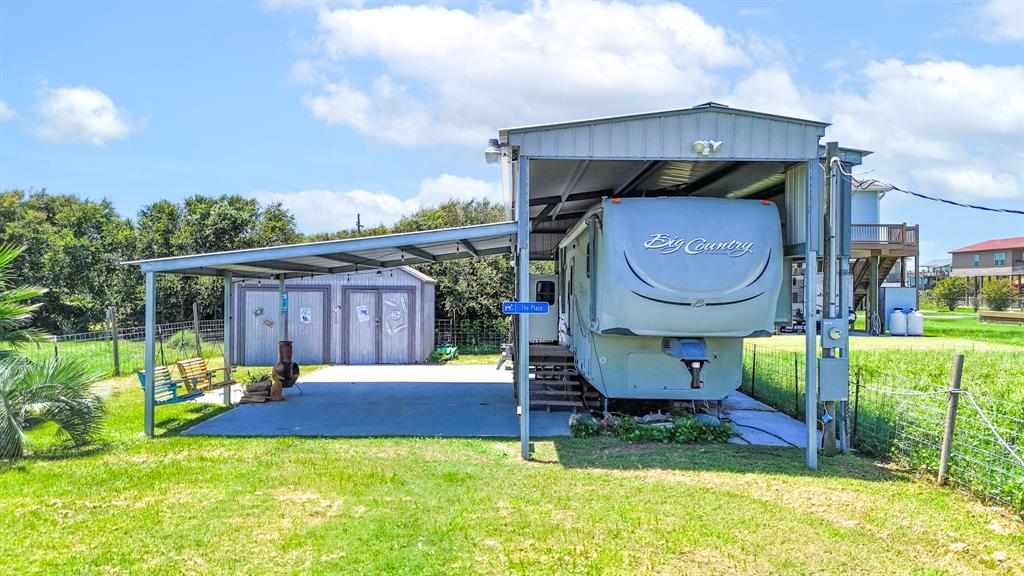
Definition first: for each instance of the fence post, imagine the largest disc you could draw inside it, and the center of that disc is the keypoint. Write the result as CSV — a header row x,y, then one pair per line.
x,y
56,355
753,372
954,398
160,338
796,384
195,329
856,405
113,340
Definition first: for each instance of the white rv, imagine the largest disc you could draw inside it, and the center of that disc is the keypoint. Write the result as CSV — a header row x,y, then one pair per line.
x,y
657,294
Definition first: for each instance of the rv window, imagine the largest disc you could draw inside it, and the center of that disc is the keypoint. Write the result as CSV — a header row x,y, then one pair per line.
x,y
546,291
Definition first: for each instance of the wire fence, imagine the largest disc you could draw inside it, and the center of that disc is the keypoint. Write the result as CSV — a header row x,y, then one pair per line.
x,y
105,356
471,336
904,418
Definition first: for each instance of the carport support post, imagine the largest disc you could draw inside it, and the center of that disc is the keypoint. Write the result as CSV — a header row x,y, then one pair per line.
x,y
150,351
522,294
229,310
282,309
815,177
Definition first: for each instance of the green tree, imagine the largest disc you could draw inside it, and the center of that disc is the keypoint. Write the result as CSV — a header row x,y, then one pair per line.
x,y
950,290
75,247
56,391
203,224
997,294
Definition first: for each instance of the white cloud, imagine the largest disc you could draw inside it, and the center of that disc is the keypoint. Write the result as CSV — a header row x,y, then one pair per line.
x,y
456,76
6,112
331,210
450,75
1002,21
82,115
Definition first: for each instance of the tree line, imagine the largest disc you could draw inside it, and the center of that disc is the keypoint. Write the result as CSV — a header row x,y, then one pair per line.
x,y
76,247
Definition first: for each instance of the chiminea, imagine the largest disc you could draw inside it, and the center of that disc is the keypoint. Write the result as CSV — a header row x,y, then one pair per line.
x,y
285,372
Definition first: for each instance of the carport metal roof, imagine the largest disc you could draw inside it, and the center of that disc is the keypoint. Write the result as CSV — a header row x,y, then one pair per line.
x,y
349,255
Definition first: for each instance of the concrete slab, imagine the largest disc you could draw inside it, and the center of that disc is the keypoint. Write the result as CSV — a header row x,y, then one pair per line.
x,y
761,425
454,401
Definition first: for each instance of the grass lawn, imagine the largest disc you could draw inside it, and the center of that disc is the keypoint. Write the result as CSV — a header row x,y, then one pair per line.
x,y
191,505
491,359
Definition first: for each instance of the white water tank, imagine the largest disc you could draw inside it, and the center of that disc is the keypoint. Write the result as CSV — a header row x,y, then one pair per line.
x,y
915,323
898,322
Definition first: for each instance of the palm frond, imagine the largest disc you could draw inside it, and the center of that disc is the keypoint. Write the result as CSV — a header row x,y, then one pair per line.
x,y
57,391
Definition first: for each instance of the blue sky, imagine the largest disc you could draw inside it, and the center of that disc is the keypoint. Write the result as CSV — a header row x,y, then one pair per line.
x,y
336,109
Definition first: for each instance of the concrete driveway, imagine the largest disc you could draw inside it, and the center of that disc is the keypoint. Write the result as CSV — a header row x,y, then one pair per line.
x,y
455,401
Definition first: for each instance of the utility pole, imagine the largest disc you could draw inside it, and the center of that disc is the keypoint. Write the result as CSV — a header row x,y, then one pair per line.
x,y
359,224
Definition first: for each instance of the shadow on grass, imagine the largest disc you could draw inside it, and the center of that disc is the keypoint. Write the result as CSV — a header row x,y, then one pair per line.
x,y
612,454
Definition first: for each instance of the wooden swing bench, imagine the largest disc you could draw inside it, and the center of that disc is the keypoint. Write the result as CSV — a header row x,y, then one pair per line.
x,y
196,379
167,390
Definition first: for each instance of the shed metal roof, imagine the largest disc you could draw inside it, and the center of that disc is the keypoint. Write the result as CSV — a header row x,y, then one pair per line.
x,y
1000,244
349,255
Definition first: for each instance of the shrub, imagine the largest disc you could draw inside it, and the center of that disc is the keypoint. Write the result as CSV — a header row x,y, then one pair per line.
x,y
684,430
584,426
950,290
997,294
182,341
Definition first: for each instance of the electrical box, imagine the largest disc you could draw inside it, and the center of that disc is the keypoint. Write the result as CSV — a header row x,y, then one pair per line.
x,y
833,379
833,332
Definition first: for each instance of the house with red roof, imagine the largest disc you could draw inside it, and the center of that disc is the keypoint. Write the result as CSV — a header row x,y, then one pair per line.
x,y
986,261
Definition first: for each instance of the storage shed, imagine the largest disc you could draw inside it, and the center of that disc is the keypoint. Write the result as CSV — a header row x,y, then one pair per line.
x,y
383,316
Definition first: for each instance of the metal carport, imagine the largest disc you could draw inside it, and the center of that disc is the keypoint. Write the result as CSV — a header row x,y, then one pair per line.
x,y
309,259
551,174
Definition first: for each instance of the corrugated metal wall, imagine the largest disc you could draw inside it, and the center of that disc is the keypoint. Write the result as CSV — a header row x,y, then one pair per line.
x,y
671,136
253,331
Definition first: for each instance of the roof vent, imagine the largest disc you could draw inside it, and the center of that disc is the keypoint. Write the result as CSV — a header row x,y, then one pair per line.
x,y
711,105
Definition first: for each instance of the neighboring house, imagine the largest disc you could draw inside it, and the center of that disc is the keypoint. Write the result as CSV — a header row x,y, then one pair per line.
x,y
879,250
990,260
932,271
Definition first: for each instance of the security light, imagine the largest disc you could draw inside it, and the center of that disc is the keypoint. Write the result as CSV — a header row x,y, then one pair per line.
x,y
706,147
493,151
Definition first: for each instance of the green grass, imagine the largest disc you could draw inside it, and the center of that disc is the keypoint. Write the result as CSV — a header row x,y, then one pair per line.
x,y
98,355
476,359
910,428
444,506
963,324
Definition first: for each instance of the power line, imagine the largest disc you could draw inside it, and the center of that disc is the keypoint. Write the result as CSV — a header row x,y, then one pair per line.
x,y
873,182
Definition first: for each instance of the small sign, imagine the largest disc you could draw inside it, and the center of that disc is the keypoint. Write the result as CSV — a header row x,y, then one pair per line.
x,y
524,307
284,302
362,313
305,315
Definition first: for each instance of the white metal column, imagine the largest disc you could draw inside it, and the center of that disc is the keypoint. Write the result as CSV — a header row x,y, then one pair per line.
x,y
229,316
815,177
523,294
150,351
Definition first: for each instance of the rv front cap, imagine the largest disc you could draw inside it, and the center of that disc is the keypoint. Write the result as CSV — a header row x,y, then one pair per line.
x,y
667,244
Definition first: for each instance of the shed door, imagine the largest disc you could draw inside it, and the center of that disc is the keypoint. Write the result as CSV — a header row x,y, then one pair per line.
x,y
306,326
396,327
363,326
260,347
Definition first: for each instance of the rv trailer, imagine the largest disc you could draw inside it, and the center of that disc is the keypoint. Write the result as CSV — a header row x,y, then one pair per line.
x,y
657,294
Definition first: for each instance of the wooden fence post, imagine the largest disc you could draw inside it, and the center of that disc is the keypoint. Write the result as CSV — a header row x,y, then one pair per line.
x,y
195,329
954,398
753,372
113,340
56,354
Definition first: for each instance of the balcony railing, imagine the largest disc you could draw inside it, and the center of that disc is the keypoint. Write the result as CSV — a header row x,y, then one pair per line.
x,y
889,234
